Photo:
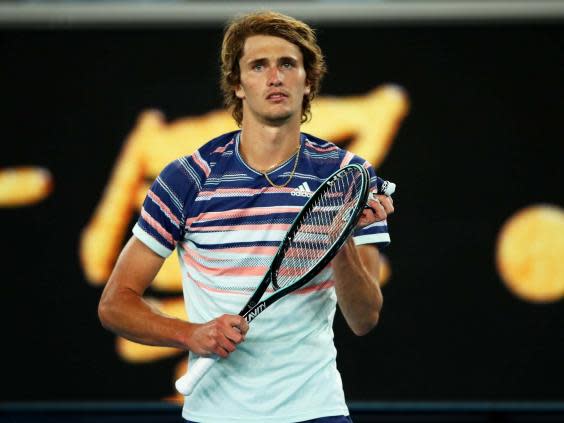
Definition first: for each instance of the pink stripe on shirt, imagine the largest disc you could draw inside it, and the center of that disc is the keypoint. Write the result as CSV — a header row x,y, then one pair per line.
x,y
222,149
225,270
157,226
234,192
256,227
202,163
236,213
347,159
321,149
163,207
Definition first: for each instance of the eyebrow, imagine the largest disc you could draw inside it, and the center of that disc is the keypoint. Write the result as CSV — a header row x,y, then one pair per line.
x,y
288,59
262,60
258,61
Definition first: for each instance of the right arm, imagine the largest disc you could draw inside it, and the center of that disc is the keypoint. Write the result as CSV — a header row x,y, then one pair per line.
x,y
124,311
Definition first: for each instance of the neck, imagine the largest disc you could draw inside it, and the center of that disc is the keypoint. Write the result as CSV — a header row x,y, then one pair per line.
x,y
265,147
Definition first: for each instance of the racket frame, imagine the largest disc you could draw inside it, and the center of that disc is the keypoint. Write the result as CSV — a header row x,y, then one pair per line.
x,y
255,306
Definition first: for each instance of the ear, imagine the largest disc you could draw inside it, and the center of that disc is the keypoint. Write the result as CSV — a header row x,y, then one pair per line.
x,y
239,91
307,88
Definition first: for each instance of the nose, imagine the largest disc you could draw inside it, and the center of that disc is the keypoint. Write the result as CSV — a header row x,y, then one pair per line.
x,y
274,77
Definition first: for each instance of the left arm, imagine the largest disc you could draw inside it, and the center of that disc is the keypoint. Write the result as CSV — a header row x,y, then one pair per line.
x,y
356,273
359,297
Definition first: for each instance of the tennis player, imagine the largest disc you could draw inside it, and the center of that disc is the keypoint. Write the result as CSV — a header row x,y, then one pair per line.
x,y
224,209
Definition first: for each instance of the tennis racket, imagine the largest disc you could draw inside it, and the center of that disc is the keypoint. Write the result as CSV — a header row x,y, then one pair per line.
x,y
315,236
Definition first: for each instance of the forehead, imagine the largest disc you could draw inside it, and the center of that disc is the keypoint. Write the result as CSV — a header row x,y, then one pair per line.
x,y
268,46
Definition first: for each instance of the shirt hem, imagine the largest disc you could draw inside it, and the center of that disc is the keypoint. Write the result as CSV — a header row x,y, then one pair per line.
x,y
309,415
150,242
372,239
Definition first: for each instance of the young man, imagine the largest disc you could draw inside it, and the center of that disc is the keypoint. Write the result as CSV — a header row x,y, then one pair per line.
x,y
225,208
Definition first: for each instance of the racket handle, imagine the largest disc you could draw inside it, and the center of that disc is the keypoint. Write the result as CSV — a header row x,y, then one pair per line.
x,y
186,384
385,187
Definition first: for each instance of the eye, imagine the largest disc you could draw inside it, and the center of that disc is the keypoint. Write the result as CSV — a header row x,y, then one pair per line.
x,y
288,65
258,67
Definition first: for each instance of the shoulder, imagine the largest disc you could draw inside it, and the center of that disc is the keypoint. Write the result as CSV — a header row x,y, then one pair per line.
x,y
314,143
197,166
330,154
221,145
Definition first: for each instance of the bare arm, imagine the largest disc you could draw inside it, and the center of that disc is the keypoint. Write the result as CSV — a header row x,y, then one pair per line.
x,y
123,310
356,271
356,283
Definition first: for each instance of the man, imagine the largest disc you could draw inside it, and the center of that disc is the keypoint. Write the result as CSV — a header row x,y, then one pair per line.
x,y
225,209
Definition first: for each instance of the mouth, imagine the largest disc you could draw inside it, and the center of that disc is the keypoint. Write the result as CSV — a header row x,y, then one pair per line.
x,y
276,96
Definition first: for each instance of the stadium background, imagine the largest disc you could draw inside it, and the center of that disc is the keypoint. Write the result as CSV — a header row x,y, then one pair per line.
x,y
482,140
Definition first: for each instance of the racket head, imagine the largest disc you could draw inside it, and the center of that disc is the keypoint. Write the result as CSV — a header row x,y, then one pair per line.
x,y
320,229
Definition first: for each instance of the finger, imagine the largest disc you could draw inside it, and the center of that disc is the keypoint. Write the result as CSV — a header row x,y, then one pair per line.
x,y
368,213
241,324
234,327
387,203
226,344
222,352
234,335
379,210
368,216
213,347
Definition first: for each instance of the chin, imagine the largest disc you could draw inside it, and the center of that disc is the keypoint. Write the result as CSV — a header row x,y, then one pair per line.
x,y
278,118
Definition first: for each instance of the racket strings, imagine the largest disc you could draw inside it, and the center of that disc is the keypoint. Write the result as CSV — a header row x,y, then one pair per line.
x,y
321,227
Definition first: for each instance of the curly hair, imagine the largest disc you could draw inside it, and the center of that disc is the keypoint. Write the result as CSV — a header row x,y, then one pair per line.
x,y
274,24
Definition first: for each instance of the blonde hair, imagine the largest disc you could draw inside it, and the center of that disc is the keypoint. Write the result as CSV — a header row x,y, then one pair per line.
x,y
277,25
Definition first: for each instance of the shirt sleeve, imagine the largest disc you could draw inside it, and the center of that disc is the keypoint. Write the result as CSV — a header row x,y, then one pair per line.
x,y
161,222
376,233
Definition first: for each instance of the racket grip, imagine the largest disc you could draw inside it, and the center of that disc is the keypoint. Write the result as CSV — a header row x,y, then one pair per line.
x,y
385,187
186,384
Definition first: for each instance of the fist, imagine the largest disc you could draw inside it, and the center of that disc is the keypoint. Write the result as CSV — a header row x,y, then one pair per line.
x,y
378,208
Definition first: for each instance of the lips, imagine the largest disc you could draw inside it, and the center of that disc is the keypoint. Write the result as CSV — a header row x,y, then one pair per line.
x,y
276,96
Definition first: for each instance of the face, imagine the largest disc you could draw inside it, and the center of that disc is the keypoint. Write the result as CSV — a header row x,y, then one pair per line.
x,y
273,80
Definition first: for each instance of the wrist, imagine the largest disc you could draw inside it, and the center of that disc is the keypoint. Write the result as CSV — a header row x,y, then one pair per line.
x,y
185,335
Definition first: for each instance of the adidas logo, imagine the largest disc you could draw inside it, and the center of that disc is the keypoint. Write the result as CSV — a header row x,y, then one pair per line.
x,y
302,191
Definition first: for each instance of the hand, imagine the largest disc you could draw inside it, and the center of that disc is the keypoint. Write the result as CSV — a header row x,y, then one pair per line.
x,y
219,336
378,209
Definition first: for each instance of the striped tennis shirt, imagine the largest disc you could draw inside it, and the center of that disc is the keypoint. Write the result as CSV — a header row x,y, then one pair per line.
x,y
225,221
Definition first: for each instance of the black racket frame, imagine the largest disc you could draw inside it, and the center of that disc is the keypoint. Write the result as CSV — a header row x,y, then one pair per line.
x,y
254,306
